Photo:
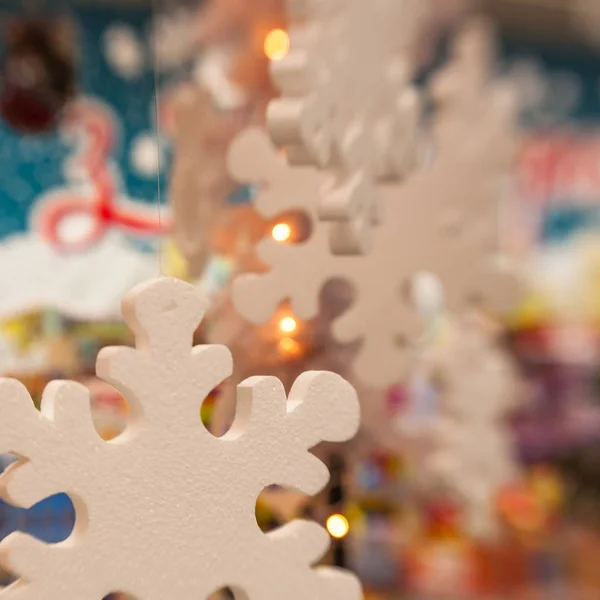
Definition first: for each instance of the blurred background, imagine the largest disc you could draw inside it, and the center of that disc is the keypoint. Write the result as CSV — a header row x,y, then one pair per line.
x,y
115,120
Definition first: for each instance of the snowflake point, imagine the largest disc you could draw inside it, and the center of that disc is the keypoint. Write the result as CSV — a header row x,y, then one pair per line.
x,y
164,311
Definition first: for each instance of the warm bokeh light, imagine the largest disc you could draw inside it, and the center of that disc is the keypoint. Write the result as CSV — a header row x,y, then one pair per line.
x,y
338,526
277,44
289,346
288,325
522,510
281,232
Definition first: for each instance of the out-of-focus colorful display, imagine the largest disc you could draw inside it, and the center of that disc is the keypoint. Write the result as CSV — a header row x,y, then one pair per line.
x,y
86,180
79,198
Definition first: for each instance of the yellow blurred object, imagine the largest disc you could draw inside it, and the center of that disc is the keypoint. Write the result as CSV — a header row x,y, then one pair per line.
x,y
591,306
174,263
547,486
277,44
534,311
100,331
109,433
338,526
21,330
356,516
443,331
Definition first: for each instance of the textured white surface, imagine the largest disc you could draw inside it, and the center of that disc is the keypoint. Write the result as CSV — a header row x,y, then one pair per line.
x,y
348,106
88,285
413,238
167,510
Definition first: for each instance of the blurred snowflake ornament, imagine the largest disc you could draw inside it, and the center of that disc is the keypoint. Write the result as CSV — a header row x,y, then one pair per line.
x,y
441,221
348,106
240,29
200,183
467,450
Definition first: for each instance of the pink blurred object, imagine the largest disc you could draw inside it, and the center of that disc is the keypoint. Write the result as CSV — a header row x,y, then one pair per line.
x,y
574,343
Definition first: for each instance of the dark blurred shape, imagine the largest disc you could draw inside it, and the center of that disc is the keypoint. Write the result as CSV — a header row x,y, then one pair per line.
x,y
337,499
36,78
336,490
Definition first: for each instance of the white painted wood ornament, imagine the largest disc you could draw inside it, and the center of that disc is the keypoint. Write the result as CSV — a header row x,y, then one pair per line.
x,y
467,450
442,220
348,106
166,510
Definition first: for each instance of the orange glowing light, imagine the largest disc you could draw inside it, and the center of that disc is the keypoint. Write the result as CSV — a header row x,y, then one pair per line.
x,y
338,526
289,346
288,325
277,44
281,232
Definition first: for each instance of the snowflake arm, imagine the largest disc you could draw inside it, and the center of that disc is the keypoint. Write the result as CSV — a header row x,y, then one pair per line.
x,y
36,563
41,438
253,158
296,275
17,404
303,543
163,331
321,407
44,440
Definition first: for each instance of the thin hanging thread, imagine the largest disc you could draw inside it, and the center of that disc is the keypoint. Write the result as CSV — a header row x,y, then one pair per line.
x,y
156,69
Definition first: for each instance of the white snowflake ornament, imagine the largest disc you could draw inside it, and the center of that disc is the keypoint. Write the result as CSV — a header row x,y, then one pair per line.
x,y
414,238
348,106
166,510
441,220
467,450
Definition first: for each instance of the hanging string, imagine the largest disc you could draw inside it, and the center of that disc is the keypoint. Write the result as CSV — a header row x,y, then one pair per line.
x,y
156,70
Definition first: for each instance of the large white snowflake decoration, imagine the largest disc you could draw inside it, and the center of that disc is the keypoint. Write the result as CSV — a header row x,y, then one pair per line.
x,y
167,510
348,106
441,220
467,450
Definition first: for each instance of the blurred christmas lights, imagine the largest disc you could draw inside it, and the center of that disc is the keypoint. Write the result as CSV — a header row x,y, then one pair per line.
x,y
281,232
290,346
277,44
338,526
288,325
